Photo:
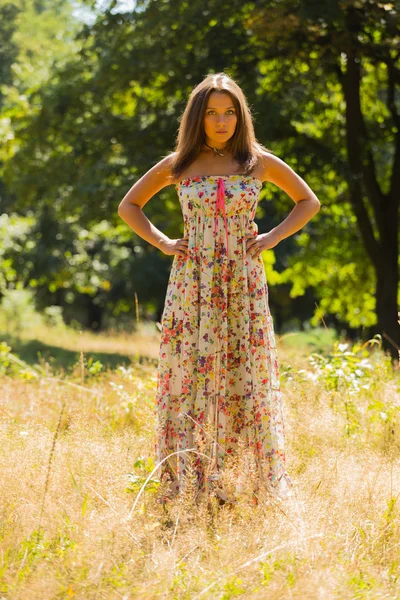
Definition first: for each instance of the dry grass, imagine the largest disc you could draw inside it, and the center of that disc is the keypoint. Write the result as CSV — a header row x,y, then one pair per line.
x,y
144,342
66,497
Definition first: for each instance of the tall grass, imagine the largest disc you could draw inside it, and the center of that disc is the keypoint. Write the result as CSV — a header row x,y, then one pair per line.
x,y
79,511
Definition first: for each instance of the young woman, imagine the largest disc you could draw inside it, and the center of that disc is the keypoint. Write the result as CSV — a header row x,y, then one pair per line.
x,y
218,375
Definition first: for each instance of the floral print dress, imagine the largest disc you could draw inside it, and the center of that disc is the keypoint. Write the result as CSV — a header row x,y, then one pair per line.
x,y
218,360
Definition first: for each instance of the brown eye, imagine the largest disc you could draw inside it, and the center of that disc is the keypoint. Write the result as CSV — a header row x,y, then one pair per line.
x,y
229,110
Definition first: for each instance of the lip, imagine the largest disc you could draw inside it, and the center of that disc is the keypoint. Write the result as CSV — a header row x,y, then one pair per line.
x,y
221,132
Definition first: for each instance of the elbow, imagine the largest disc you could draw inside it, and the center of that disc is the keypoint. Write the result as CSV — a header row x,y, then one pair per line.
x,y
122,209
125,207
316,205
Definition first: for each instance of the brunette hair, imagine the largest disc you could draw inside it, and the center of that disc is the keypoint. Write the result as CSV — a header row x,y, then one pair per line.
x,y
243,145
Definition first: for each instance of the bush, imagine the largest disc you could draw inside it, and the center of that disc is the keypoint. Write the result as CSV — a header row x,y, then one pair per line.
x,y
53,316
18,311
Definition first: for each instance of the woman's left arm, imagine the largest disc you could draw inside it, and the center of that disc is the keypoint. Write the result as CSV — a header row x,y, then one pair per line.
x,y
307,205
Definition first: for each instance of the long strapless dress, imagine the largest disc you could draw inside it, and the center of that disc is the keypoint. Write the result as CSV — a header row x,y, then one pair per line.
x,y
218,360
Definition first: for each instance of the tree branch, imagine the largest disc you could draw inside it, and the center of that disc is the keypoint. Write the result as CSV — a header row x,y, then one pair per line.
x,y
393,74
360,156
391,70
363,220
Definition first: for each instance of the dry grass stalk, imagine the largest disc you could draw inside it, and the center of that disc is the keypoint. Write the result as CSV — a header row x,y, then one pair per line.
x,y
49,467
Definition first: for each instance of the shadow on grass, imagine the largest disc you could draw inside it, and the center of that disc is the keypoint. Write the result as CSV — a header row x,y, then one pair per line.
x,y
34,352
315,340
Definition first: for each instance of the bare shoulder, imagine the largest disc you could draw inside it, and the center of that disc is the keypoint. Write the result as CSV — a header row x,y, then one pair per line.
x,y
277,171
263,165
162,170
154,180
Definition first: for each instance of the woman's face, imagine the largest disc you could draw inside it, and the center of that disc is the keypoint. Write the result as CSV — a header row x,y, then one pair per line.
x,y
221,116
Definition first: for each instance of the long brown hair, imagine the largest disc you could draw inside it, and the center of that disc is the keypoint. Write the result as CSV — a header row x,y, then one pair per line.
x,y
243,145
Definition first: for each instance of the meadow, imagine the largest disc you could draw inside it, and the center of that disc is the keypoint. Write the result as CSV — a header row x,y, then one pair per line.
x,y
92,94
79,515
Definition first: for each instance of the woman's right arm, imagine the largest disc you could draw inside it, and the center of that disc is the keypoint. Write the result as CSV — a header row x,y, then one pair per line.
x,y
130,209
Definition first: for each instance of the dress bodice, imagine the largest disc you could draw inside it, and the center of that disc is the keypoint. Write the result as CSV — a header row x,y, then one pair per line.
x,y
198,194
232,198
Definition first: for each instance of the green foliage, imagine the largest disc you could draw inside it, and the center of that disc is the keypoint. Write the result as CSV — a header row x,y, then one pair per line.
x,y
42,39
18,310
52,316
61,262
108,109
36,548
315,339
353,377
343,370
134,400
5,360
233,588
8,47
94,367
117,577
143,466
334,266
13,366
12,230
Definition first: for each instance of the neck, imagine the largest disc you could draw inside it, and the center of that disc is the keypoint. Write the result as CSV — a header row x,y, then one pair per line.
x,y
210,149
215,144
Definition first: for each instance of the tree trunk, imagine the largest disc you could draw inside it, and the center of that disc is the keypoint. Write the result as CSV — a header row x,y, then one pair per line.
x,y
378,227
94,314
387,312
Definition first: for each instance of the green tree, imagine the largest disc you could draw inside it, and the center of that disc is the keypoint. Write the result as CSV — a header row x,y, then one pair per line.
x,y
8,48
323,85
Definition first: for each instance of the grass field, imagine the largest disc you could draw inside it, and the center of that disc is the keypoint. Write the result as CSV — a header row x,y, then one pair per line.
x,y
77,438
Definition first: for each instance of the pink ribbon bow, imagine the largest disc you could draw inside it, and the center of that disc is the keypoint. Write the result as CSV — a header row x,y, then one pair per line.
x,y
221,204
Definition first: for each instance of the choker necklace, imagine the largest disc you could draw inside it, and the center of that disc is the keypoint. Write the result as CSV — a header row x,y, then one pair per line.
x,y
216,150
